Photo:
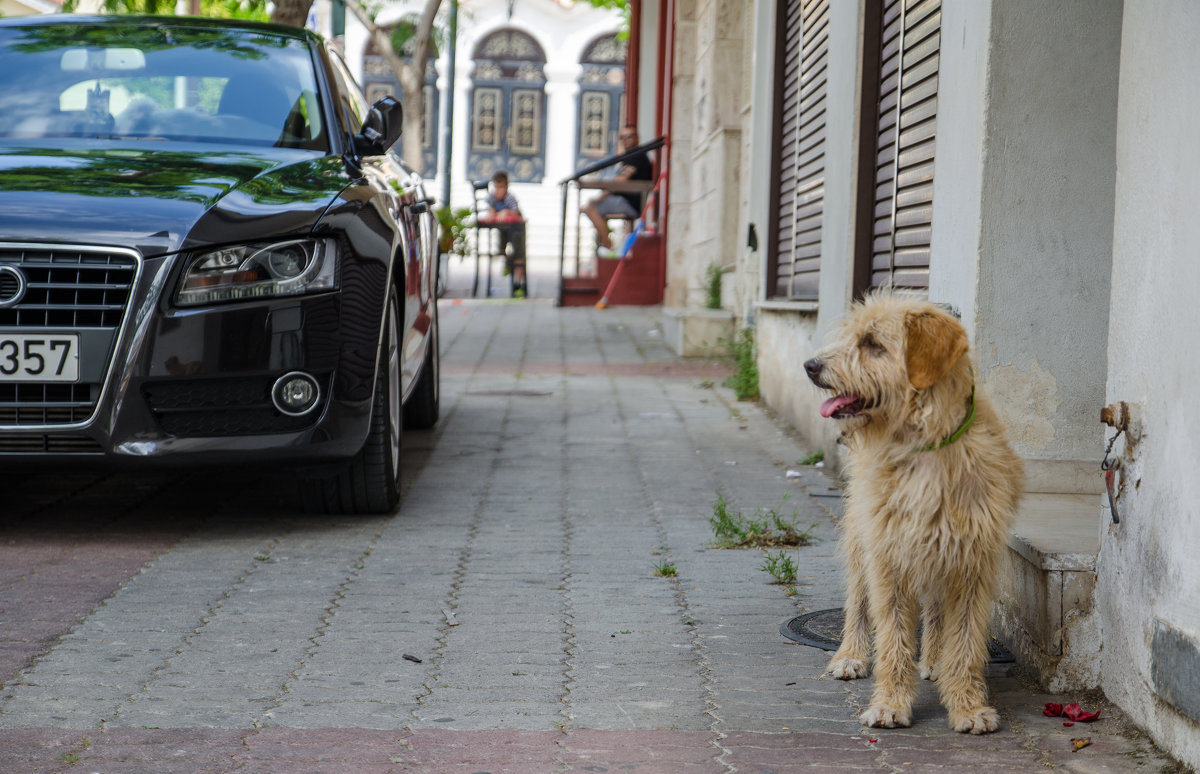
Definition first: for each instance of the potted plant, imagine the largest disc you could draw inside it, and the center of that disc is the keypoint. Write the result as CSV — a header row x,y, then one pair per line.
x,y
455,225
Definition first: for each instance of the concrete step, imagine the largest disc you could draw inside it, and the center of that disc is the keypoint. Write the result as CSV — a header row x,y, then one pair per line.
x,y
1044,611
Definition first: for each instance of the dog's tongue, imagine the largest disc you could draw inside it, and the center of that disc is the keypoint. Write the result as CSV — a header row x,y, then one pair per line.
x,y
829,407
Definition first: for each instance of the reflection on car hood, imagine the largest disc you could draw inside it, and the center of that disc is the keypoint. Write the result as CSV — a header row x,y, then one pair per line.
x,y
159,200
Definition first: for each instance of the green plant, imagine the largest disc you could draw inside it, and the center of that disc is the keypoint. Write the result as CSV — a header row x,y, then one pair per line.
x,y
781,566
766,528
712,286
665,570
727,526
744,381
813,459
455,229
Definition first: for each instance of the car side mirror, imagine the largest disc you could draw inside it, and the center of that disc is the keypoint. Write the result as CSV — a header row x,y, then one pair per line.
x,y
381,128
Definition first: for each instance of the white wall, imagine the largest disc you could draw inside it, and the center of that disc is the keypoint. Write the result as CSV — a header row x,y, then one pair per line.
x,y
563,33
1022,211
957,194
1148,572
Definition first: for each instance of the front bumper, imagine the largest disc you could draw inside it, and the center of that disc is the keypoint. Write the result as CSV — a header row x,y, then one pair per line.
x,y
163,385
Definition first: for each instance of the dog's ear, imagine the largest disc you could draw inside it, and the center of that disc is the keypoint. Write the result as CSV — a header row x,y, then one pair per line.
x,y
935,343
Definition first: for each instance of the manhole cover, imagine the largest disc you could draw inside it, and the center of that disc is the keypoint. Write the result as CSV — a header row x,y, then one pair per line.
x,y
823,629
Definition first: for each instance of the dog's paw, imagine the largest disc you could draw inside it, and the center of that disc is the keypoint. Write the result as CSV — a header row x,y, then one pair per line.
x,y
981,720
848,668
928,671
880,716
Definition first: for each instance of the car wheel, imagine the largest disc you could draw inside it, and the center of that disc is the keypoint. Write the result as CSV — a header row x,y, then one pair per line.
x,y
371,482
424,404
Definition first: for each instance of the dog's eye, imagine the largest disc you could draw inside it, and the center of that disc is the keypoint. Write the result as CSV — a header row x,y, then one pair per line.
x,y
870,345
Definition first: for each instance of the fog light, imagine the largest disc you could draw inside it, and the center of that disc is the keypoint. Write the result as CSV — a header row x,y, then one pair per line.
x,y
295,394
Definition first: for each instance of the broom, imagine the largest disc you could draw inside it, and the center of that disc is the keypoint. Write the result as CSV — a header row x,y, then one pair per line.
x,y
624,254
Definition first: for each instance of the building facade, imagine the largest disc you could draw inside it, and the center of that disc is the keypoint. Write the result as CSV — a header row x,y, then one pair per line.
x,y
539,91
1028,164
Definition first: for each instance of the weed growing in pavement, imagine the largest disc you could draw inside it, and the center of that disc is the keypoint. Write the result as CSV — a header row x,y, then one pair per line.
x,y
712,286
665,570
744,381
812,459
766,529
781,566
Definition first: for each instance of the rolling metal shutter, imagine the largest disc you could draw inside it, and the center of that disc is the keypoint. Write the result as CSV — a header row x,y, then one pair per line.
x,y
906,130
802,47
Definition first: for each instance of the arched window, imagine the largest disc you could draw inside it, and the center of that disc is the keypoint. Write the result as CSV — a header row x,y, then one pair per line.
x,y
508,117
601,103
380,81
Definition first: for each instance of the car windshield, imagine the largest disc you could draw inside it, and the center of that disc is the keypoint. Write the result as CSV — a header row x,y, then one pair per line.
x,y
153,81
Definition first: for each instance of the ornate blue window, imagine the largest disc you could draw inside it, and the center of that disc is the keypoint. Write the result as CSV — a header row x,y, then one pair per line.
x,y
508,116
601,103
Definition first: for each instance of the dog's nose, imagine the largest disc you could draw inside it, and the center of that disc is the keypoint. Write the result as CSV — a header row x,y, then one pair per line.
x,y
813,368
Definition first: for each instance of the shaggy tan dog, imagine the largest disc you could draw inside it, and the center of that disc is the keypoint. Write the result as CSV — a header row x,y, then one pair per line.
x,y
932,487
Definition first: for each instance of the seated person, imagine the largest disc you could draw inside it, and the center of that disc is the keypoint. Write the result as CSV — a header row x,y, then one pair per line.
x,y
619,205
505,214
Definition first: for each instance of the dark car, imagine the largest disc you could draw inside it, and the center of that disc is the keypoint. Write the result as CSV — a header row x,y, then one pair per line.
x,y
209,254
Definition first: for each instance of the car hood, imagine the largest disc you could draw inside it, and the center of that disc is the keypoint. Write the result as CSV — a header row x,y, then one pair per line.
x,y
159,200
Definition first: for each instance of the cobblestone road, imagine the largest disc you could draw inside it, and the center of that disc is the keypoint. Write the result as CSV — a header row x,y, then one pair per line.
x,y
505,620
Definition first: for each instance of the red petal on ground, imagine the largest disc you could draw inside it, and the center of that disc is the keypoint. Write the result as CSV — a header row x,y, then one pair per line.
x,y
1078,714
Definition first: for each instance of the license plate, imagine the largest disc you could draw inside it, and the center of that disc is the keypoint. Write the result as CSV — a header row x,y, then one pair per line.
x,y
39,357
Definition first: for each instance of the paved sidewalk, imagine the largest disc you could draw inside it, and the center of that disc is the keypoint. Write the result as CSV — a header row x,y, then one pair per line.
x,y
507,619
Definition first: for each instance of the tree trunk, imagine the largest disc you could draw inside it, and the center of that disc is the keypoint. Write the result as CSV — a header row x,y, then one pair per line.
x,y
291,12
410,74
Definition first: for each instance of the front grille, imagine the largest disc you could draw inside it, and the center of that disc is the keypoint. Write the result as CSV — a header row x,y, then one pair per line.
x,y
48,443
221,407
46,404
68,288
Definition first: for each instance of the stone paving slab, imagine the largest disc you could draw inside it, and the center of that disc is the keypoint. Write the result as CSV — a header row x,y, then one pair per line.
x,y
226,631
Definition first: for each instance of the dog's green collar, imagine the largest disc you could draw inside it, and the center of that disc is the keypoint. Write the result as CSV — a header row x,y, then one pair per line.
x,y
962,429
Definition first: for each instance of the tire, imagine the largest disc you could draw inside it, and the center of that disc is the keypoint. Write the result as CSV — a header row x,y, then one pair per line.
x,y
370,484
423,407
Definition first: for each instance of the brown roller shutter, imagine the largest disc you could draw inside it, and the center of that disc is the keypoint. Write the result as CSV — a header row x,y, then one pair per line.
x,y
799,170
906,128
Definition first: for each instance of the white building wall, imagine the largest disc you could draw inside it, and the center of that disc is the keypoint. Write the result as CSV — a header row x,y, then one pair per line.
x,y
1065,232
1022,203
1149,577
958,193
563,33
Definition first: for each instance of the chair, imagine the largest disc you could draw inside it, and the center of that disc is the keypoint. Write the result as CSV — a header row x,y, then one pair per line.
x,y
495,239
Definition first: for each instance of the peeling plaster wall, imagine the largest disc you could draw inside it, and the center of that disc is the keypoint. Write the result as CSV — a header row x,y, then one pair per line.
x,y
1149,579
1022,213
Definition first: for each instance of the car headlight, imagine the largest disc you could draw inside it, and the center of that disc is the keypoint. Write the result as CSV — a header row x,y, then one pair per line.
x,y
260,270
